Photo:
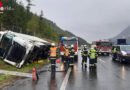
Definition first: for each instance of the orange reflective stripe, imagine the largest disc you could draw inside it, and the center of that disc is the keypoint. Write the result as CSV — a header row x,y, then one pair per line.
x,y
66,52
53,51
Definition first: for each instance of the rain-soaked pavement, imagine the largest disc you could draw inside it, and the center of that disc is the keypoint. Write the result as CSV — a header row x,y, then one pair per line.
x,y
108,76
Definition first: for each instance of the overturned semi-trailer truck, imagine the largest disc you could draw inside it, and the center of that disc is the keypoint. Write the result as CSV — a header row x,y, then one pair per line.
x,y
19,49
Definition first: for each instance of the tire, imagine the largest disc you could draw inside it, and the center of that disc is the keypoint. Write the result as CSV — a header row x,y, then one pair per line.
x,y
124,62
107,54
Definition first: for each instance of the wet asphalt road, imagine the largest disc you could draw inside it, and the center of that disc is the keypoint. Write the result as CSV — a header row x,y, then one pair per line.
x,y
108,76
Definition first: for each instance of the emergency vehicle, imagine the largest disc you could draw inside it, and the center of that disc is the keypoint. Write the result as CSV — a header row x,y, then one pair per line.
x,y
104,47
68,41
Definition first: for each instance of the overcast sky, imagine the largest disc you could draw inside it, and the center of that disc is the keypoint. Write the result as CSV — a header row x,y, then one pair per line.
x,y
89,19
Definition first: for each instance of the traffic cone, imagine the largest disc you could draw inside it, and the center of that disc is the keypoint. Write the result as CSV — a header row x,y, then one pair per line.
x,y
34,74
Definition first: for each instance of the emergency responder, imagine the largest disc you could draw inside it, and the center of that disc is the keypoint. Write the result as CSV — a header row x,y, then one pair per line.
x,y
114,53
84,56
53,56
66,57
92,57
84,46
71,56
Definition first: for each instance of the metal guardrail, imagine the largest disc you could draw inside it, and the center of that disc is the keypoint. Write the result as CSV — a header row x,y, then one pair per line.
x,y
16,73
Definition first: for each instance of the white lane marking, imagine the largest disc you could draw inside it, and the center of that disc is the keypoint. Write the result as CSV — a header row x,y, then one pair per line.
x,y
16,73
101,60
65,81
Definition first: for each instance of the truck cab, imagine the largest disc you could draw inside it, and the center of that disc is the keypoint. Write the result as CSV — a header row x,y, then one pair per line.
x,y
17,52
68,41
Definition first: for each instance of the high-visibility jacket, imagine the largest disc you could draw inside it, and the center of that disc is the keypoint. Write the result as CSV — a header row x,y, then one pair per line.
x,y
92,54
72,53
53,52
66,52
84,53
114,50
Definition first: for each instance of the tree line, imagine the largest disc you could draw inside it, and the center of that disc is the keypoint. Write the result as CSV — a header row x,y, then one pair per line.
x,y
21,19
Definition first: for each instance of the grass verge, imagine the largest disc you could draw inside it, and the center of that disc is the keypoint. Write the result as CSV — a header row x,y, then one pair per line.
x,y
8,79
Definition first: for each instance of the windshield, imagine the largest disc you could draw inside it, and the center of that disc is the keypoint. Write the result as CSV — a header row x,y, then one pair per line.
x,y
125,48
17,53
104,44
69,42
5,40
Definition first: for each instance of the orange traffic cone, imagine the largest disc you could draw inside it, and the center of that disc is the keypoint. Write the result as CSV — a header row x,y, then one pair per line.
x,y
34,74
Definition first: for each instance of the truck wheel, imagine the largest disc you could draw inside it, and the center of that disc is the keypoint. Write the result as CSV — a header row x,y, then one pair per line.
x,y
107,54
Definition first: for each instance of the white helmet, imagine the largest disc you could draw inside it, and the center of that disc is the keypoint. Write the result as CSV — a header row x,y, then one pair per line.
x,y
85,45
72,45
52,44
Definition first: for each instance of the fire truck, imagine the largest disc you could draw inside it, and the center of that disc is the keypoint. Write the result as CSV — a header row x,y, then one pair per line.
x,y
104,47
68,41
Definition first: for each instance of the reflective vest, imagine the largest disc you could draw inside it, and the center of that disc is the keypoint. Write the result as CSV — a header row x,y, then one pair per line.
x,y
66,52
114,51
72,53
85,53
53,52
92,54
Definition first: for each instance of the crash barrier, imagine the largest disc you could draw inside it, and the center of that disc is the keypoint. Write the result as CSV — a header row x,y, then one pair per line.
x,y
34,74
16,73
19,49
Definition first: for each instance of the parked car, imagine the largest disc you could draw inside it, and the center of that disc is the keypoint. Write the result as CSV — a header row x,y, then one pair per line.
x,y
123,53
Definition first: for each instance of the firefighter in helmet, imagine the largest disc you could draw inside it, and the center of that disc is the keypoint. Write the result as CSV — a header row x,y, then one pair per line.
x,y
53,55
66,56
92,57
71,56
84,53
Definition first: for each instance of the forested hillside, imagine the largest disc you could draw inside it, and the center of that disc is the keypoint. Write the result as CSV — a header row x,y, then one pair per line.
x,y
21,19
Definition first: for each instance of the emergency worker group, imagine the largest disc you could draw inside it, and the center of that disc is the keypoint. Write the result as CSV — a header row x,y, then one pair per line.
x,y
69,54
91,54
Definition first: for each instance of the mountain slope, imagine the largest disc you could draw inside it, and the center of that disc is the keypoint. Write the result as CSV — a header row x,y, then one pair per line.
x,y
22,20
124,34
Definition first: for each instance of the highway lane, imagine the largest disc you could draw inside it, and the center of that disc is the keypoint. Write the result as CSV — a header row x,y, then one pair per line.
x,y
47,81
109,75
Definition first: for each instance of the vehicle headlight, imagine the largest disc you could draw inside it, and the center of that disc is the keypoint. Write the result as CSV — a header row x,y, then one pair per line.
x,y
124,53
